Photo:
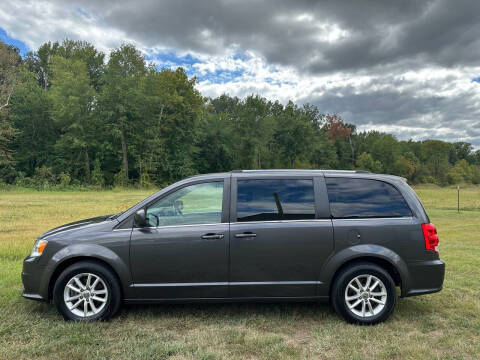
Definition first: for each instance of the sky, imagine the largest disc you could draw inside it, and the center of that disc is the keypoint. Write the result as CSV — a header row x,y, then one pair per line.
x,y
411,68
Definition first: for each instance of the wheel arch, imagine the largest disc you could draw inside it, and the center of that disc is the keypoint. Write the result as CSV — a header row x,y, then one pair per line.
x,y
73,260
96,253
378,255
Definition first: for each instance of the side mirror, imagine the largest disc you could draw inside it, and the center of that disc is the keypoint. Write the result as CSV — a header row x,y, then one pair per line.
x,y
139,219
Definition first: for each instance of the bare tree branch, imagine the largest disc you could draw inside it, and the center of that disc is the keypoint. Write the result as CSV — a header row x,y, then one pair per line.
x,y
6,104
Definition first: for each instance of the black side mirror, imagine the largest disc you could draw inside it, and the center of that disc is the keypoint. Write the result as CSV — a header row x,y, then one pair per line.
x,y
139,219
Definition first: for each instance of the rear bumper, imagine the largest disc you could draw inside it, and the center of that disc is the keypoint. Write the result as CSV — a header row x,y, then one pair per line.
x,y
425,277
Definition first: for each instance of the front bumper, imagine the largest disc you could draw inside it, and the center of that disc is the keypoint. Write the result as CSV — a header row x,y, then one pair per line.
x,y
425,277
31,278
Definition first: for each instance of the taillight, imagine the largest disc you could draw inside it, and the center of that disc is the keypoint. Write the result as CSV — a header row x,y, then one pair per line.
x,y
430,236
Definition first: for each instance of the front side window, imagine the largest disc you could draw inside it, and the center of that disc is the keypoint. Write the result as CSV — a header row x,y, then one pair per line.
x,y
194,204
266,200
364,198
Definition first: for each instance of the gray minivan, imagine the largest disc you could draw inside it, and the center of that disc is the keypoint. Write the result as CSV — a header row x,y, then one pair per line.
x,y
350,237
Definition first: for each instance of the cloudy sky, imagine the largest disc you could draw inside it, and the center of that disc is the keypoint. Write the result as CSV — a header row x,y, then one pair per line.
x,y
411,68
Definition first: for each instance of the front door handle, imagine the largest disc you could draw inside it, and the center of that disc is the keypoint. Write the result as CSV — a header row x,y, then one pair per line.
x,y
211,236
246,235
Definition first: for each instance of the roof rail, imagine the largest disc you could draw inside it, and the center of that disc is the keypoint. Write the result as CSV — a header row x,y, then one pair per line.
x,y
316,170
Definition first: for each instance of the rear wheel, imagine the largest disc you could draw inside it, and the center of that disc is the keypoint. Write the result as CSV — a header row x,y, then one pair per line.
x,y
364,293
87,291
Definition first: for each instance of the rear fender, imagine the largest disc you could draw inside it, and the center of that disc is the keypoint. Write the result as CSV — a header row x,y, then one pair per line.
x,y
359,252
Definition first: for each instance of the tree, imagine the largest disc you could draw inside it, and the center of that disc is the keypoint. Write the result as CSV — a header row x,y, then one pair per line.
x,y
366,162
175,108
30,112
293,134
340,134
404,167
9,64
40,62
435,155
215,147
120,98
73,101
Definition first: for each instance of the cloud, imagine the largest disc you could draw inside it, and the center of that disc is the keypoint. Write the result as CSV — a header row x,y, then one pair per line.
x,y
409,67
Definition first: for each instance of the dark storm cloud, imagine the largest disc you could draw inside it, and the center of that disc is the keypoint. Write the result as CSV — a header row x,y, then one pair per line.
x,y
439,32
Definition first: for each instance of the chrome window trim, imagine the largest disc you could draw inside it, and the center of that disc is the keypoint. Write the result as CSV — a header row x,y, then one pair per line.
x,y
280,221
378,218
232,223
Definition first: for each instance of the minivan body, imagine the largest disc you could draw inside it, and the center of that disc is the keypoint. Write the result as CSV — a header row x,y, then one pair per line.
x,y
252,235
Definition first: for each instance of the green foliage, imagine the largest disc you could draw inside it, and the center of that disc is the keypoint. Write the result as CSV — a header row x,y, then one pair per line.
x,y
66,106
120,179
97,177
64,179
366,162
9,64
44,177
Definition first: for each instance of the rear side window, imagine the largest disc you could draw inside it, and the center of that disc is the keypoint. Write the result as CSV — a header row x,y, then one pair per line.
x,y
364,198
282,199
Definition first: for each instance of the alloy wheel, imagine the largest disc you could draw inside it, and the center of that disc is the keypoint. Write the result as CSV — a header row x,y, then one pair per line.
x,y
85,294
366,295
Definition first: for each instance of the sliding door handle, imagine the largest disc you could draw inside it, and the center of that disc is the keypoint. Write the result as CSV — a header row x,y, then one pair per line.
x,y
246,235
211,236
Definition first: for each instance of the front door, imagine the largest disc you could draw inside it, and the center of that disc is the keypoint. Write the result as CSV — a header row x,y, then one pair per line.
x,y
183,253
278,238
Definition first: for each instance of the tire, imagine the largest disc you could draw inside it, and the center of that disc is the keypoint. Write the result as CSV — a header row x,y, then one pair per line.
x,y
345,296
101,291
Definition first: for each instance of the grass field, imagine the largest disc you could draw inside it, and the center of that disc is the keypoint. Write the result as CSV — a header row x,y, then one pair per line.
x,y
443,325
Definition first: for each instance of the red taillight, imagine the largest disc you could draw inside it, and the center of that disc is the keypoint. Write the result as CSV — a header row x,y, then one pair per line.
x,y
430,236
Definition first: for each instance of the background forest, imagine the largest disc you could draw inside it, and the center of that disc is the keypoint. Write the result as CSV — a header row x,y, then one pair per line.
x,y
71,116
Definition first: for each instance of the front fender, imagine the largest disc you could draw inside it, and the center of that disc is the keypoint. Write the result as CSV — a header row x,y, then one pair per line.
x,y
360,251
93,251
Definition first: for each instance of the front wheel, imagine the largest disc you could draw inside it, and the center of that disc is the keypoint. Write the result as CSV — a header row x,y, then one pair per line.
x,y
364,293
87,291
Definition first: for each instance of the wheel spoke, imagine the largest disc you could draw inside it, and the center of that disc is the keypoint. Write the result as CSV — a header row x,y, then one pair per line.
x,y
85,308
378,293
95,283
353,288
73,288
374,285
74,306
350,298
79,283
75,297
369,280
92,305
377,301
363,308
99,299
358,283
370,308
355,304
89,278
99,292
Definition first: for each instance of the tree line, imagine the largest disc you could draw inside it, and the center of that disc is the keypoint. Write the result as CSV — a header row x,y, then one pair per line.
x,y
71,116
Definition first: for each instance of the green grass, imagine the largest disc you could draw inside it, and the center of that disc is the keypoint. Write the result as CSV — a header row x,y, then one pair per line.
x,y
443,325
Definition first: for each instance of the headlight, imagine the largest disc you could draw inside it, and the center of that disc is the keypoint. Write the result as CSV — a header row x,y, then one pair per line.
x,y
38,247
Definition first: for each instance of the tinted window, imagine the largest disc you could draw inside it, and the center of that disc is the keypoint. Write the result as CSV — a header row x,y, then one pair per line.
x,y
194,204
264,200
360,198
